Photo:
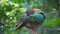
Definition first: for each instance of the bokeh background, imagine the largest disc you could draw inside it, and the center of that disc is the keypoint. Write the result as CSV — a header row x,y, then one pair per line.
x,y
10,11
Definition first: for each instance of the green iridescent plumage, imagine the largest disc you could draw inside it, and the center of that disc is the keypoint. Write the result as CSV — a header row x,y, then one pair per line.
x,y
36,18
31,19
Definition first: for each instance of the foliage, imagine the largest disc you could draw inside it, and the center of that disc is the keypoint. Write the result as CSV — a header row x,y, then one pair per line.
x,y
54,22
10,11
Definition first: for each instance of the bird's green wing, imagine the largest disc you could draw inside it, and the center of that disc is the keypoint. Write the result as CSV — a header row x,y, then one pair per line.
x,y
36,18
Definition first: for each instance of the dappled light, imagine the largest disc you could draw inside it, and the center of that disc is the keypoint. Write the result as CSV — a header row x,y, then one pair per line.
x,y
11,11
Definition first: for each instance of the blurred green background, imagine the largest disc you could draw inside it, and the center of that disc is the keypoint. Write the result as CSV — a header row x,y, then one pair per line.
x,y
10,11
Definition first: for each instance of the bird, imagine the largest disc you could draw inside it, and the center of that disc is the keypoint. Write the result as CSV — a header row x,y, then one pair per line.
x,y
32,19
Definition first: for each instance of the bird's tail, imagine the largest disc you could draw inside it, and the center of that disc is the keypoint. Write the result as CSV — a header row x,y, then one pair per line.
x,y
20,25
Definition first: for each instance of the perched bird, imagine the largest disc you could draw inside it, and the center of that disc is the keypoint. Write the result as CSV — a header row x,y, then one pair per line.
x,y
32,19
